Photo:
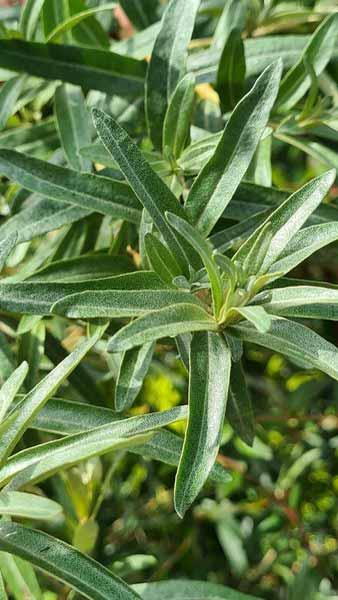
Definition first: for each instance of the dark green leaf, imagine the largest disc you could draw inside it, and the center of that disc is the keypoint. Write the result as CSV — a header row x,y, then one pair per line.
x,y
178,117
167,63
239,408
133,369
102,70
73,124
231,71
318,53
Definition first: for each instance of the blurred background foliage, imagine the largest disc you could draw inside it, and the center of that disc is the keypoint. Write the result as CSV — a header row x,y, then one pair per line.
x,y
273,530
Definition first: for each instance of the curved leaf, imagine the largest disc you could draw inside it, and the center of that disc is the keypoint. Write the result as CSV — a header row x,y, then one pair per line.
x,y
28,506
39,462
214,187
65,563
297,342
19,420
304,302
318,53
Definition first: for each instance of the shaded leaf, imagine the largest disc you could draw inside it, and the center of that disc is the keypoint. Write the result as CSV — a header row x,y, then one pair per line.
x,y
239,407
133,369
176,126
73,124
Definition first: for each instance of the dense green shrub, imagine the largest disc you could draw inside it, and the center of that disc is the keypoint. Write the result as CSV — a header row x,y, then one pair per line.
x,y
157,220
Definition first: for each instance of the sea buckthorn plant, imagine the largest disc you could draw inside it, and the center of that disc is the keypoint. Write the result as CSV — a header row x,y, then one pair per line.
x,y
145,227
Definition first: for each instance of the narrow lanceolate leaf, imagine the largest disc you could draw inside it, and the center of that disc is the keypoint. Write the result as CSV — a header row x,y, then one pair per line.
x,y
180,589
167,63
87,191
166,447
30,14
20,577
75,19
178,117
303,301
233,17
39,462
161,259
64,417
11,387
133,369
63,562
73,124
9,93
231,71
318,53
287,219
103,70
3,594
41,216
6,247
305,242
152,192
297,342
219,179
204,249
20,419
239,407
171,321
28,506
37,298
210,365
116,304
256,315
83,268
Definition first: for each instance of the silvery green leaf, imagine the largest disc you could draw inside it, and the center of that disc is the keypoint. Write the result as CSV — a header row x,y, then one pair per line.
x,y
167,63
64,562
210,365
170,321
214,187
295,341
